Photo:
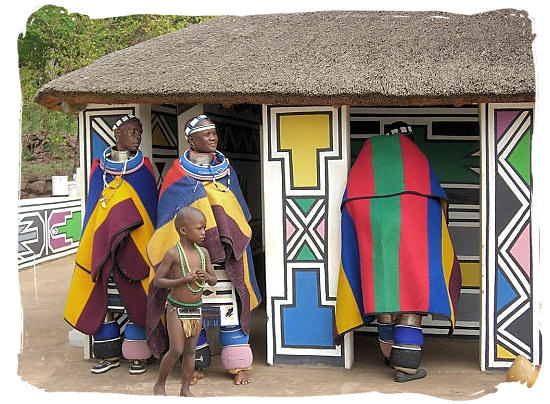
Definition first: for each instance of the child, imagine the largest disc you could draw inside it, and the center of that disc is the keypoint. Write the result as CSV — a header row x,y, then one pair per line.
x,y
179,271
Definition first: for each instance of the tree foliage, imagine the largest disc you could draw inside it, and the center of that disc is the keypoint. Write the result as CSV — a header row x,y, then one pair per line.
x,y
56,42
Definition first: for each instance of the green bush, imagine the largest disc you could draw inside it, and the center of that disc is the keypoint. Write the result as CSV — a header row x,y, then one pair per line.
x,y
56,42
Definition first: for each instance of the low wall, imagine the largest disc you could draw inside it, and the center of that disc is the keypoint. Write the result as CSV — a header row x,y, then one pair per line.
x,y
47,228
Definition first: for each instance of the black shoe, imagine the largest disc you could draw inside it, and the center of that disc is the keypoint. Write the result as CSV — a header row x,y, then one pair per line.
x,y
137,367
104,366
402,377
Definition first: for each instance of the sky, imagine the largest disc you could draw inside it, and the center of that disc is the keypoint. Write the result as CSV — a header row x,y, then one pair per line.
x,y
14,22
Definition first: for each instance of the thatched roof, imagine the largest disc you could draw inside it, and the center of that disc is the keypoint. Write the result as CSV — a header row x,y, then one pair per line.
x,y
327,57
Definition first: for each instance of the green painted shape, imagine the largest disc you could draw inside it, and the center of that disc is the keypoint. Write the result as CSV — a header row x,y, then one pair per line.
x,y
451,160
520,158
305,254
305,204
72,227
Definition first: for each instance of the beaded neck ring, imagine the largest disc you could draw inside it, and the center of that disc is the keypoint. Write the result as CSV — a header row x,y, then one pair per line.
x,y
104,198
183,258
213,172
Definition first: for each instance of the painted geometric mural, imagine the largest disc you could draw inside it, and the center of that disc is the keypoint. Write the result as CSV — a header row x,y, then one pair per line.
x,y
449,137
510,315
48,228
164,130
302,319
98,135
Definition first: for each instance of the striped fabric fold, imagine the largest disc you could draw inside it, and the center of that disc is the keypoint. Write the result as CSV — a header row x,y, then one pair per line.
x,y
227,239
113,246
396,254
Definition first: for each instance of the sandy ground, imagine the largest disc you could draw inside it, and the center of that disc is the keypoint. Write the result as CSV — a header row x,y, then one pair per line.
x,y
48,362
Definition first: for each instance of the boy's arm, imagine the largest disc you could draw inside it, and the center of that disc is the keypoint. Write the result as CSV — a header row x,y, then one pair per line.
x,y
209,275
162,280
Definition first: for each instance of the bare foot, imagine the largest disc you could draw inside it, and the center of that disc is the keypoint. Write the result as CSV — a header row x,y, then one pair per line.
x,y
159,390
241,378
197,375
185,392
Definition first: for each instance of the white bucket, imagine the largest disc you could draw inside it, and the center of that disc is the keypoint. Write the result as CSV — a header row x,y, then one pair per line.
x,y
73,188
60,185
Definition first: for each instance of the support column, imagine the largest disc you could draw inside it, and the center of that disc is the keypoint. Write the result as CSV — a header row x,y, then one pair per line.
x,y
510,308
303,147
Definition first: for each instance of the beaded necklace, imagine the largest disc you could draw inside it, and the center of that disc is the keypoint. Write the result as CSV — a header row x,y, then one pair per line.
x,y
117,180
183,258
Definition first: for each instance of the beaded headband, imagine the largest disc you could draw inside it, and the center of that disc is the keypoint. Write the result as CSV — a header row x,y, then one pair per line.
x,y
192,126
406,130
123,120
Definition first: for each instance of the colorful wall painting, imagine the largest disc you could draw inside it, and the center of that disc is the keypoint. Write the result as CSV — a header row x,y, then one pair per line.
x,y
48,228
510,312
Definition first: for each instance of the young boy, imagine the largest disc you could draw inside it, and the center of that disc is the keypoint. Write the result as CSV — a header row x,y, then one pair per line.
x,y
184,270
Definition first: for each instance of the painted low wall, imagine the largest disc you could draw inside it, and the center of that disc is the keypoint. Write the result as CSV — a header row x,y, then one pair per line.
x,y
48,228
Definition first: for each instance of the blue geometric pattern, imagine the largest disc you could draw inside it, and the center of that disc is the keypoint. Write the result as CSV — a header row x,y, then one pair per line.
x,y
98,145
505,292
306,323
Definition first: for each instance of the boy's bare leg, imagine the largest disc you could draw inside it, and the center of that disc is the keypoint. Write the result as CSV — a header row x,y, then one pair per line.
x,y
188,365
241,377
175,334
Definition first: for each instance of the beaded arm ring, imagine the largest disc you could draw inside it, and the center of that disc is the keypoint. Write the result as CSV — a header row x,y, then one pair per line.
x,y
183,258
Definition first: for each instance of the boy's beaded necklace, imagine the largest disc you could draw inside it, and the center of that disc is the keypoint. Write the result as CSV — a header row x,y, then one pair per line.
x,y
183,258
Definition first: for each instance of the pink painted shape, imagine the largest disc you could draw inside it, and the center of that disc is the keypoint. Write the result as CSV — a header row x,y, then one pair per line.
x,y
504,119
290,229
521,250
321,229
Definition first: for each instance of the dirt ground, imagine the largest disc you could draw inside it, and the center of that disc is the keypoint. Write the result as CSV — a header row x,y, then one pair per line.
x,y
49,363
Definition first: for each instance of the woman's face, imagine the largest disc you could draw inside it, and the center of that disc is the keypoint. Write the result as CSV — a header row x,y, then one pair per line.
x,y
205,141
128,136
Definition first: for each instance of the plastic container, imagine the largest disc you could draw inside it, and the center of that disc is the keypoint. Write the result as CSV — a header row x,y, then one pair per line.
x,y
72,188
60,185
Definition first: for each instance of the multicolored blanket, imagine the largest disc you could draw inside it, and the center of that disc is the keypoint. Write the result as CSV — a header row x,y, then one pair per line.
x,y
397,254
227,239
114,241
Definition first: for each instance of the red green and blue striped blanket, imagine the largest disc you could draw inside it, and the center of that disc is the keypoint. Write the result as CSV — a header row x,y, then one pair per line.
x,y
397,255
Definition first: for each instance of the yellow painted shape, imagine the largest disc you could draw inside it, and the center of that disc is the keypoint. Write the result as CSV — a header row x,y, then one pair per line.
x,y
304,135
503,353
158,137
470,274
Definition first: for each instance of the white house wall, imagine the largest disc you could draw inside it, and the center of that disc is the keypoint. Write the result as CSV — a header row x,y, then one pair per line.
x,y
304,157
